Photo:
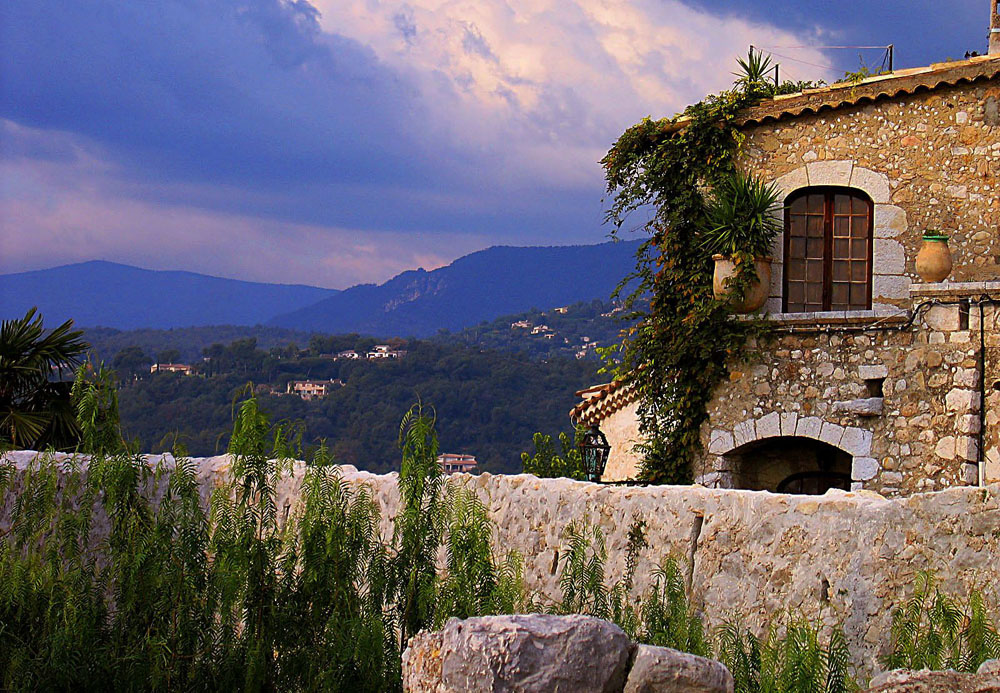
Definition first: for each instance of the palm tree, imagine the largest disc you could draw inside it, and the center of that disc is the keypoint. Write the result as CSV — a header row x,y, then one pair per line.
x,y
36,408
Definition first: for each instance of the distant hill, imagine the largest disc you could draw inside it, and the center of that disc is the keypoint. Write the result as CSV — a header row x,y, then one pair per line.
x,y
573,331
475,288
108,294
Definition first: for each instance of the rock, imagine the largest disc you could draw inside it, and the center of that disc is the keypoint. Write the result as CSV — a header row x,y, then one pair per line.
x,y
422,663
991,667
868,406
924,681
533,652
663,670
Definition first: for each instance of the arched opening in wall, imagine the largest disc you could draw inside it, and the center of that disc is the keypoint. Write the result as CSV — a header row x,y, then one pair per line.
x,y
790,465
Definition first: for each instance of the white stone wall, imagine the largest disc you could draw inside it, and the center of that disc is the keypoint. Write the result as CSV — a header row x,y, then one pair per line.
x,y
846,557
622,431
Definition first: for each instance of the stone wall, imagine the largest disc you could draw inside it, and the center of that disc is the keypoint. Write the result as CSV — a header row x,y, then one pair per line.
x,y
929,160
841,556
820,382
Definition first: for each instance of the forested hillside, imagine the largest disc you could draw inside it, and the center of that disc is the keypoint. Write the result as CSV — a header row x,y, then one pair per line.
x,y
488,403
573,331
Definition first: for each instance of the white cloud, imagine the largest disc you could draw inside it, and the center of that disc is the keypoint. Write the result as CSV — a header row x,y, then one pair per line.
x,y
548,84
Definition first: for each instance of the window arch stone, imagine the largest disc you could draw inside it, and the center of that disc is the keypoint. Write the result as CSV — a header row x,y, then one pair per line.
x,y
855,441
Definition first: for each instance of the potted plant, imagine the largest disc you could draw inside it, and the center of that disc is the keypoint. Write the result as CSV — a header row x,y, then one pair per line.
x,y
934,258
741,222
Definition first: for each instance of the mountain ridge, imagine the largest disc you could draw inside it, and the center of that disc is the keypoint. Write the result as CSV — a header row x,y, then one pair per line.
x,y
477,287
480,286
99,293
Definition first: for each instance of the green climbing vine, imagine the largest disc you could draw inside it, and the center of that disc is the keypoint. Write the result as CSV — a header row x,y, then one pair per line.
x,y
681,346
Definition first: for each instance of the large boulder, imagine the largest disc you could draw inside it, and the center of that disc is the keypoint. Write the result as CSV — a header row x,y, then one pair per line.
x,y
422,663
663,670
534,652
986,680
524,653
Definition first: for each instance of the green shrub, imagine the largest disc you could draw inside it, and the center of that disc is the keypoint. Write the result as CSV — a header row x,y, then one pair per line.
x,y
935,631
790,659
547,463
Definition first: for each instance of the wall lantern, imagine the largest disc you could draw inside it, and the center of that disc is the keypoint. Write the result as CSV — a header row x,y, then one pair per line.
x,y
594,450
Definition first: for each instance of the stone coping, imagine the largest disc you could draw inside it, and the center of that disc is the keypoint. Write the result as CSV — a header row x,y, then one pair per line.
x,y
834,318
955,289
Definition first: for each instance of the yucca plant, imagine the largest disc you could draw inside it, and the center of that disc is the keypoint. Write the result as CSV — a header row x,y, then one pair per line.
x,y
741,216
754,75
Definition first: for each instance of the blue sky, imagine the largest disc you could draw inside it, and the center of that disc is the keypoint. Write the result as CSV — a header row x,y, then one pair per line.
x,y
333,142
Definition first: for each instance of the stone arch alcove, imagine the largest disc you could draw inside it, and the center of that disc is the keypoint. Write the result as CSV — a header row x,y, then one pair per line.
x,y
793,433
890,284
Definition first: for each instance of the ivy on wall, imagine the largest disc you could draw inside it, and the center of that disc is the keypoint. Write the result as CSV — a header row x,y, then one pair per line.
x,y
683,344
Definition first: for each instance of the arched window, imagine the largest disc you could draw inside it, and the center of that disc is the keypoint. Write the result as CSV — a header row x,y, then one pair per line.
x,y
828,250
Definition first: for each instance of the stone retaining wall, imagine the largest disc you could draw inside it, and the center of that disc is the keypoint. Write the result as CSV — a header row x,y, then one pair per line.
x,y
753,554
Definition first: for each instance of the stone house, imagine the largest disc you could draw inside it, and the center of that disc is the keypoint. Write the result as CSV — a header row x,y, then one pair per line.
x,y
875,379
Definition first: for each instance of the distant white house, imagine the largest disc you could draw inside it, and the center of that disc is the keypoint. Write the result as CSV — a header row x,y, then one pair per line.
x,y
172,368
385,351
457,464
349,354
313,389
562,311
520,325
539,329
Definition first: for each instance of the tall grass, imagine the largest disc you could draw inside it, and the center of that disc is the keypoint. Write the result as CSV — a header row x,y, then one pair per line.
x,y
246,594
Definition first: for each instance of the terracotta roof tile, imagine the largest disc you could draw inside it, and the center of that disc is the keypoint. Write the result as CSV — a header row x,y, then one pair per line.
x,y
845,94
601,401
898,83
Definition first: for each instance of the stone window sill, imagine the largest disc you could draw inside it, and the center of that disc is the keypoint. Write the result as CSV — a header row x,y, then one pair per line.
x,y
945,290
881,316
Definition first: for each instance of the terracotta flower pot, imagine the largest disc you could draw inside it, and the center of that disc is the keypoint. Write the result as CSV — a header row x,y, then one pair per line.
x,y
934,259
756,296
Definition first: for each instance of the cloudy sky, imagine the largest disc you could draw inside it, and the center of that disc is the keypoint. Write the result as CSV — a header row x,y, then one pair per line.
x,y
333,142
